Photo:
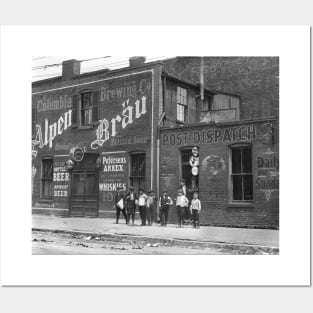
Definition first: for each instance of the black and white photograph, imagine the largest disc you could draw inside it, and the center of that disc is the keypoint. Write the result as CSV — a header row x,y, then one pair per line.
x,y
171,155
155,156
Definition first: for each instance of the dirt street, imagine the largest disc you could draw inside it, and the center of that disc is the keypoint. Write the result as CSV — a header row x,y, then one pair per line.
x,y
65,243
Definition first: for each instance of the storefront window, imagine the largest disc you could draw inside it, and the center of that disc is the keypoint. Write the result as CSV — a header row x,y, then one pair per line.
x,y
242,173
46,178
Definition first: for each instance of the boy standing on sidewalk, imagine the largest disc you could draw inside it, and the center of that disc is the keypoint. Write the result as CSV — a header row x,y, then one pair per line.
x,y
195,209
181,206
151,200
120,204
165,202
142,203
131,199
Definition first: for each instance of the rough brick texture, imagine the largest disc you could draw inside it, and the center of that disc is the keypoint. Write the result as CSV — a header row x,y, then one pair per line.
x,y
256,79
218,208
140,131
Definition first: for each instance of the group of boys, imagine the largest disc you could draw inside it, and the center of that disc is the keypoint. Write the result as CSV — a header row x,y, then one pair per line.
x,y
127,204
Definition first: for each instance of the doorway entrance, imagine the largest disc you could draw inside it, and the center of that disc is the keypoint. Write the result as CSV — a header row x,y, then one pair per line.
x,y
138,171
191,181
85,187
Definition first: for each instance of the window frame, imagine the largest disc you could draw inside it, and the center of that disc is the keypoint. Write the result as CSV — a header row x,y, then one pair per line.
x,y
139,181
45,179
83,110
91,108
231,199
133,155
182,104
186,163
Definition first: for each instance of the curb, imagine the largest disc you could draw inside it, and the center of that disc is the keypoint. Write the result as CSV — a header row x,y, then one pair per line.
x,y
240,247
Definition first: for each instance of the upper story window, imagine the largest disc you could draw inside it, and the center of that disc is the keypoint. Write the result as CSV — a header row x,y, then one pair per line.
x,y
241,173
181,104
85,109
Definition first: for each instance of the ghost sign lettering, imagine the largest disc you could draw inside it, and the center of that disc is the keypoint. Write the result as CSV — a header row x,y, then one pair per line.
x,y
210,136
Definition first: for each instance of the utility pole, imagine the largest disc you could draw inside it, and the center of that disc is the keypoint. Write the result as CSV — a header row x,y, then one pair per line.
x,y
202,80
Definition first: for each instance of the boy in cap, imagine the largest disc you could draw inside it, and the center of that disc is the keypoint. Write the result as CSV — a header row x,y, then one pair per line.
x,y
181,205
164,203
120,204
151,200
131,199
195,209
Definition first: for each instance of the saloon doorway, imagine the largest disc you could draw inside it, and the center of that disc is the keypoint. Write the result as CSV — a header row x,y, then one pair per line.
x,y
85,187
138,171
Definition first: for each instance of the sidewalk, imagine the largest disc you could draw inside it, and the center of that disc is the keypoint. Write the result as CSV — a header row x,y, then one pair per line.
x,y
106,226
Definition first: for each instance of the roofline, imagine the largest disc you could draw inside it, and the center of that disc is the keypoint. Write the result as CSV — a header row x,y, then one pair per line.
x,y
102,71
208,90
221,124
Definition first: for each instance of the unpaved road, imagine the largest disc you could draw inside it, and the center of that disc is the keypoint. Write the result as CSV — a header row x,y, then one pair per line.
x,y
63,243
56,243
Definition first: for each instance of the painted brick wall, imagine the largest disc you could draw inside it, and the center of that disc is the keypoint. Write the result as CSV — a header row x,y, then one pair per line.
x,y
256,79
72,137
214,182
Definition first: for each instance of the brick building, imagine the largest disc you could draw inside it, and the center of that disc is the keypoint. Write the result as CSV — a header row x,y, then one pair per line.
x,y
139,125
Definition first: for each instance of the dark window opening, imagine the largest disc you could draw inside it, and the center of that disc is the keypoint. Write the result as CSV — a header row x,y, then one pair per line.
x,y
242,179
86,111
191,181
138,171
86,108
207,103
47,178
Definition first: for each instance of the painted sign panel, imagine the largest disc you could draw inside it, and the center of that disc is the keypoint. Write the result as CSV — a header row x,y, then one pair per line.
x,y
113,175
267,179
124,109
212,165
209,136
125,106
61,178
46,135
110,128
47,103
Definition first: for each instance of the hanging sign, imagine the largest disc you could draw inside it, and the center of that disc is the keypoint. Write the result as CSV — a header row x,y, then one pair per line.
x,y
194,161
195,171
77,154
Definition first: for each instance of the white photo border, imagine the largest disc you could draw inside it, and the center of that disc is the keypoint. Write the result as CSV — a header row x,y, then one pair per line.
x,y
291,267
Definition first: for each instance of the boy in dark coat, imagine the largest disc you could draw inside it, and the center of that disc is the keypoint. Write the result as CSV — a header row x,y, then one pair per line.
x,y
131,199
119,201
164,203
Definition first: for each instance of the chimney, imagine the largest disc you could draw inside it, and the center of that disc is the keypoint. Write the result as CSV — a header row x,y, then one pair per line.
x,y
70,69
136,61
